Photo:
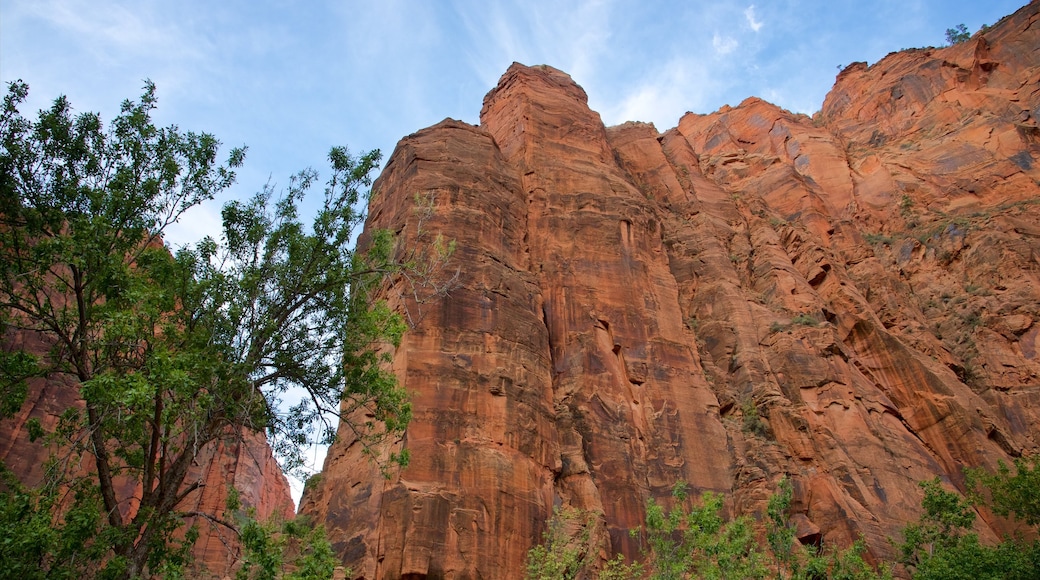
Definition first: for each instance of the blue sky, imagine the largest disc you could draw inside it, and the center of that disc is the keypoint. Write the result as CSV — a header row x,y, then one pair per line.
x,y
292,78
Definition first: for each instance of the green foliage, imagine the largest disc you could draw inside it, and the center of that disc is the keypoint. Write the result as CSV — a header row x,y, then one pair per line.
x,y
263,551
1015,494
290,306
967,559
81,267
847,564
36,545
805,320
942,546
752,421
816,562
906,210
294,551
878,239
315,560
779,531
174,351
696,540
946,517
561,556
617,569
957,35
15,368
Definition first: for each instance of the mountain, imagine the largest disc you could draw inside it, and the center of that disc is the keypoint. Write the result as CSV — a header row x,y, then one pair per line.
x,y
851,301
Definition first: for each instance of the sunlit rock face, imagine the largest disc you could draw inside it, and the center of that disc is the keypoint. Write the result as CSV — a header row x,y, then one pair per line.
x,y
850,300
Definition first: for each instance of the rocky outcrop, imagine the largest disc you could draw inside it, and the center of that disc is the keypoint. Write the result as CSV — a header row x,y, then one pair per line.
x,y
244,462
851,301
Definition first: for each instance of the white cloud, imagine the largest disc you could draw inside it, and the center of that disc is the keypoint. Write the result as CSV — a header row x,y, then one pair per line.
x,y
665,95
570,37
724,44
98,53
122,32
749,14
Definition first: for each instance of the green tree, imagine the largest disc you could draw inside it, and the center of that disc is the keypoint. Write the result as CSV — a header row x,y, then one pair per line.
x,y
618,569
791,560
942,545
1015,494
779,531
957,35
697,541
947,518
174,351
561,556
31,542
294,551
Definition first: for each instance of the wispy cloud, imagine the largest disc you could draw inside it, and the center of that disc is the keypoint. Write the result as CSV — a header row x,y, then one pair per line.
x,y
749,15
724,44
664,95
122,31
114,28
101,54
571,37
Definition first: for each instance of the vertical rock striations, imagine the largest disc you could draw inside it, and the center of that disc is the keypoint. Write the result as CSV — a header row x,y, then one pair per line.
x,y
851,301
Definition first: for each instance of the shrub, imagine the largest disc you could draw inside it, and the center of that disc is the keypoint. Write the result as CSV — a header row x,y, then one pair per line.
x,y
805,320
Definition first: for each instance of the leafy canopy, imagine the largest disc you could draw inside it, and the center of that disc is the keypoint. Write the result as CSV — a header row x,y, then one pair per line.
x,y
957,35
174,351
942,544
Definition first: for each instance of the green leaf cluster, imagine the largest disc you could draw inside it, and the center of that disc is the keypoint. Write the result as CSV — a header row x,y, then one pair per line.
x,y
697,540
943,545
1010,493
694,540
176,349
33,545
957,35
562,555
296,550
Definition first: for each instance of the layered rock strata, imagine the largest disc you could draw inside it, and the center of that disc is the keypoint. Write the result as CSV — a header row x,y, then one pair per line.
x,y
851,301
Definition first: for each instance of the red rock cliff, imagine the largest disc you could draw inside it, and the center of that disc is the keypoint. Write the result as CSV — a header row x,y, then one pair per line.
x,y
866,282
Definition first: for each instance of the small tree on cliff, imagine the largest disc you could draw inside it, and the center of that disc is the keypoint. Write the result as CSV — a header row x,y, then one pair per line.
x,y
173,351
957,35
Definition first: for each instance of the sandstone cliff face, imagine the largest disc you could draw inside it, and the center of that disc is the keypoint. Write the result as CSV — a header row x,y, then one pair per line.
x,y
246,463
851,301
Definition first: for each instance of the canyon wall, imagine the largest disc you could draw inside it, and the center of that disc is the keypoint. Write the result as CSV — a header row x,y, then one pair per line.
x,y
851,301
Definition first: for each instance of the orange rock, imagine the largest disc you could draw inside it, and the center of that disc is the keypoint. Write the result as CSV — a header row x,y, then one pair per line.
x,y
848,301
